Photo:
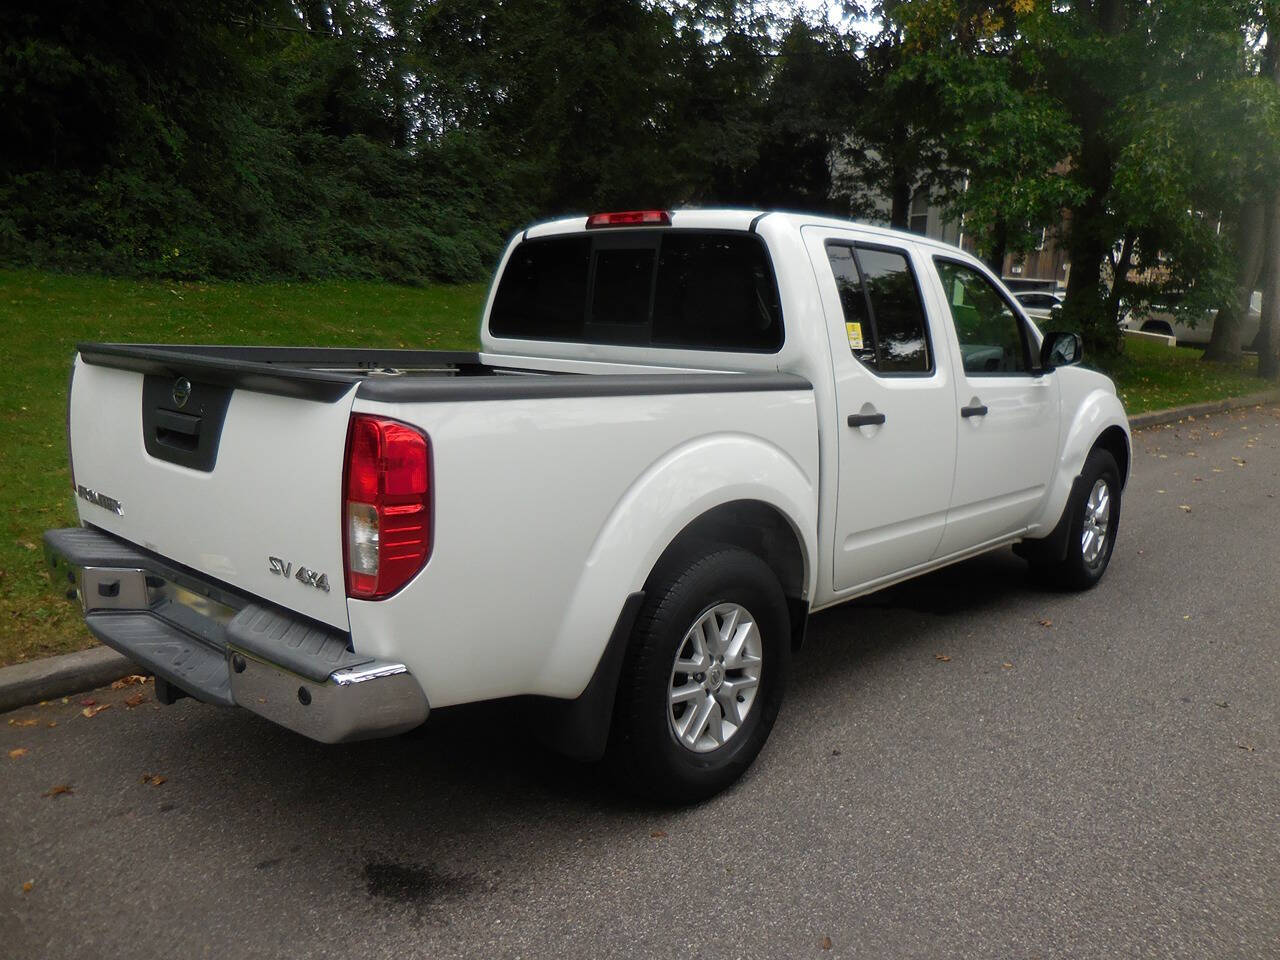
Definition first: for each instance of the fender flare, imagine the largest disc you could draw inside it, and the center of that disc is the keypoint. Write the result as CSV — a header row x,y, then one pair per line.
x,y
1101,413
681,486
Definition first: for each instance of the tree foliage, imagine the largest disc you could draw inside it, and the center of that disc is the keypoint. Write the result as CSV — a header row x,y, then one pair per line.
x,y
405,139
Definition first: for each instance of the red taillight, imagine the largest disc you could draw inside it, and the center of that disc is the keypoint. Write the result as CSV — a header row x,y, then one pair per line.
x,y
630,218
386,506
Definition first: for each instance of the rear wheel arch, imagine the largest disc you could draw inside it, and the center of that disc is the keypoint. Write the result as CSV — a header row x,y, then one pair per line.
x,y
693,638
760,529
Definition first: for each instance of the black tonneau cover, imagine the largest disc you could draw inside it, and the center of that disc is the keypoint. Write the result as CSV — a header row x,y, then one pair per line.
x,y
328,373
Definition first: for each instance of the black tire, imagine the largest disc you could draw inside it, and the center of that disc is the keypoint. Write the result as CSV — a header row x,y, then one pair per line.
x,y
1074,572
644,753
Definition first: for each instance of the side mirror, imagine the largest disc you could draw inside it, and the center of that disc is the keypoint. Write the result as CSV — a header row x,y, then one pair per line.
x,y
1061,350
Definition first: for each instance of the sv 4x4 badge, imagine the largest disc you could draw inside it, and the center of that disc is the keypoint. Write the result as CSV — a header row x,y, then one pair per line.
x,y
304,575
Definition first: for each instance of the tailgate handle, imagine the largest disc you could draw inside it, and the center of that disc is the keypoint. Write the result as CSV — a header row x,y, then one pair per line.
x,y
175,429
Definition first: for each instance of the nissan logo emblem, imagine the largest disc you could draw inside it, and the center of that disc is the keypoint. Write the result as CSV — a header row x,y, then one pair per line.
x,y
181,391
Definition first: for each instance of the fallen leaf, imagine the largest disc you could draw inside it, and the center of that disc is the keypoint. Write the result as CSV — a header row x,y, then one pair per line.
x,y
835,752
1186,616
1045,622
154,779
58,791
1238,461
942,656
1197,479
28,886
26,544
1217,469
92,712
129,681
1184,507
825,943
1006,665
135,700
52,723
1223,704
88,702
1159,491
658,834
17,752
27,722
1245,746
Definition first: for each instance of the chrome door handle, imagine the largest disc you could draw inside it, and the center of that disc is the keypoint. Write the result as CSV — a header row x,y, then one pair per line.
x,y
866,419
976,411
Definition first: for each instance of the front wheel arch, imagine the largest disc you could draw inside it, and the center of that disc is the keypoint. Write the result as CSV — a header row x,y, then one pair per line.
x,y
1057,559
1115,442
1052,548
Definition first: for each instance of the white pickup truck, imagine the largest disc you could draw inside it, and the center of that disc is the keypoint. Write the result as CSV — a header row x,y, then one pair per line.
x,y
684,433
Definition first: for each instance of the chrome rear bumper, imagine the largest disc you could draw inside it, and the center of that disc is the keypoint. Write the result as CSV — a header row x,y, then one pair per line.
x,y
223,647
377,699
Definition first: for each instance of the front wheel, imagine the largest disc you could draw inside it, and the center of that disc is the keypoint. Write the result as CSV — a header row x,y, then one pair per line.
x,y
1095,520
703,678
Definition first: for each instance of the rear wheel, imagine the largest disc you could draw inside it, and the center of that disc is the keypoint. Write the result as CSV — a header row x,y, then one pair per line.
x,y
1095,520
703,678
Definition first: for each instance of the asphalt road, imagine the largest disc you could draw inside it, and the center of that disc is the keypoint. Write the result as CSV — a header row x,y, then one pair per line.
x,y
1091,775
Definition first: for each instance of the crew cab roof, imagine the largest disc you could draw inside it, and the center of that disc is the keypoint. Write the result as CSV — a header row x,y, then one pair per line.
x,y
728,218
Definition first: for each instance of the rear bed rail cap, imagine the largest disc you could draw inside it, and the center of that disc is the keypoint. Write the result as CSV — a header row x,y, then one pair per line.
x,y
224,368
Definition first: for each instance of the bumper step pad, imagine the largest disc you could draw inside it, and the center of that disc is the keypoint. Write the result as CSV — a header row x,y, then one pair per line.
x,y
306,648
188,663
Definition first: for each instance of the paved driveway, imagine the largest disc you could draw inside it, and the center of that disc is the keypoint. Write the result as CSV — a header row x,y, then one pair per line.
x,y
1090,775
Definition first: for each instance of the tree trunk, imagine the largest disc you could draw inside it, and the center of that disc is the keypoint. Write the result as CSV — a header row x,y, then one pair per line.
x,y
1269,330
1085,308
1251,242
1092,233
1269,323
1120,275
999,247
900,211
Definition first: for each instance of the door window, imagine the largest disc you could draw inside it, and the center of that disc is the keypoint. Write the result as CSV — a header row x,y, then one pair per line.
x,y
883,313
992,338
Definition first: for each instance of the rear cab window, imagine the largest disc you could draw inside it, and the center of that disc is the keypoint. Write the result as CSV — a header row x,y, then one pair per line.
x,y
687,289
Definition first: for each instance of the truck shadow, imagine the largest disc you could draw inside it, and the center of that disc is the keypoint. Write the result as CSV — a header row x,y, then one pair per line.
x,y
422,820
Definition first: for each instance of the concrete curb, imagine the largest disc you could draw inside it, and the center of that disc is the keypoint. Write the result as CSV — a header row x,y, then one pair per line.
x,y
26,683
1157,418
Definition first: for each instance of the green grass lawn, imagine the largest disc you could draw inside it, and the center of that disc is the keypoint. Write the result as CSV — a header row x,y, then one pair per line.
x,y
1153,376
44,315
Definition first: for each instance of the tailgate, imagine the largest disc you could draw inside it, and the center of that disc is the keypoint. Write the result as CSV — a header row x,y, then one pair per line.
x,y
218,477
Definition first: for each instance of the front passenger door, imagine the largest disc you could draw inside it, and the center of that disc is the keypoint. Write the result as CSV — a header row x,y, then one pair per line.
x,y
1008,436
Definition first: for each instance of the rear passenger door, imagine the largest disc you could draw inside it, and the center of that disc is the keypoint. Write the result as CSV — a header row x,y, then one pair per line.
x,y
1008,436
895,403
